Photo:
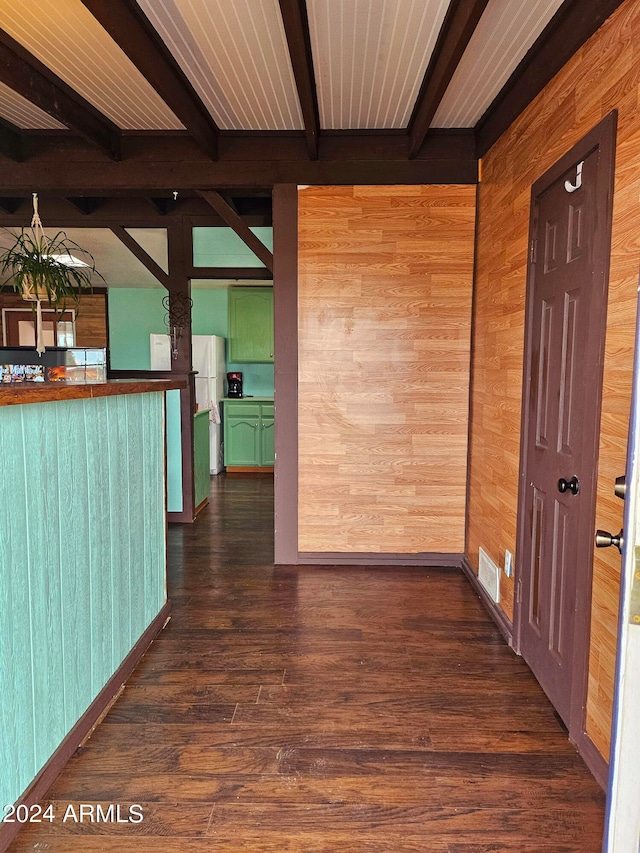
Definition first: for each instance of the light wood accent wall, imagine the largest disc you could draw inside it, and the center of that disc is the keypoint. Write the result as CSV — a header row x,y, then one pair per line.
x,y
604,75
91,322
385,285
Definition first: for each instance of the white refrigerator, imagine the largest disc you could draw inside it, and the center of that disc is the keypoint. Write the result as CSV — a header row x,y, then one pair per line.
x,y
208,359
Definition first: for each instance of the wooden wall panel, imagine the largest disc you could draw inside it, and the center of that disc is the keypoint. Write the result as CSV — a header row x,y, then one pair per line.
x,y
91,322
82,562
385,277
604,75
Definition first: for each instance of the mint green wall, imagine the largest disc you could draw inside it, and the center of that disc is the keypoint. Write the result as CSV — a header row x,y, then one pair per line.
x,y
221,247
82,562
210,314
257,379
134,313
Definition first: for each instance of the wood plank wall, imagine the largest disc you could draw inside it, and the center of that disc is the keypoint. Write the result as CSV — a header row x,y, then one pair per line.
x,y
91,321
82,562
385,283
604,75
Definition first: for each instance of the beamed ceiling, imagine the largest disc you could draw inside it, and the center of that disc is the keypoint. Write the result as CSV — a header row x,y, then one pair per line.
x,y
117,97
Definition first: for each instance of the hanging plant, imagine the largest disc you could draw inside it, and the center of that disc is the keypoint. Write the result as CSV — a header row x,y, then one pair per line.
x,y
54,270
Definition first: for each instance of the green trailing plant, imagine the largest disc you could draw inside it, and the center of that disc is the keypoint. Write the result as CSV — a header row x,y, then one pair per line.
x,y
46,268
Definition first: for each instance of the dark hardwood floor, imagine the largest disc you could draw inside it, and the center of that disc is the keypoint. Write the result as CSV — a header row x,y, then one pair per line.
x,y
322,709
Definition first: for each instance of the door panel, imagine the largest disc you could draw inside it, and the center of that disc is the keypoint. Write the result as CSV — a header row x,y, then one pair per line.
x,y
568,423
542,402
557,604
242,441
537,536
267,442
563,292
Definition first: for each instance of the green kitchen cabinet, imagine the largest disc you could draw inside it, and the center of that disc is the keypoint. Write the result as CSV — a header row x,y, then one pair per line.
x,y
248,434
267,446
250,338
201,472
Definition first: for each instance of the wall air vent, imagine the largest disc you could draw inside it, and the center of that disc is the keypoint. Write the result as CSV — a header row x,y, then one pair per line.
x,y
489,575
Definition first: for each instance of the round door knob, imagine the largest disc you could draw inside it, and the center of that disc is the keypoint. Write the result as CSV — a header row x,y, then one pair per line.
x,y
572,485
604,539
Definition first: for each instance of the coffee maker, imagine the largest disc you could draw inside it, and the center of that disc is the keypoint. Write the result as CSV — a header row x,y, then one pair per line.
x,y
234,384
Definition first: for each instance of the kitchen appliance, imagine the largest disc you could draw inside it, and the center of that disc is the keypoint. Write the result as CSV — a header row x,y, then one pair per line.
x,y
208,359
234,384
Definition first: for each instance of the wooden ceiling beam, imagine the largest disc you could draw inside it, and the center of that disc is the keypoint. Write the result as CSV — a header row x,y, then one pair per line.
x,y
10,205
571,26
230,273
152,165
459,24
25,74
163,204
296,27
85,204
144,257
12,143
229,200
127,25
232,219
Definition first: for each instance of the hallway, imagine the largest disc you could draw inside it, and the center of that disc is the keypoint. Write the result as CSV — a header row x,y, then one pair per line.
x,y
319,709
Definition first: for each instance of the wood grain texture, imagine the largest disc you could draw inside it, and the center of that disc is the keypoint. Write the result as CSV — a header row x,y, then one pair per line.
x,y
384,326
51,392
602,76
91,319
82,562
306,709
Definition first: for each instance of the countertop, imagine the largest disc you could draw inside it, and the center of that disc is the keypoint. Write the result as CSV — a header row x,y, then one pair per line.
x,y
247,399
13,394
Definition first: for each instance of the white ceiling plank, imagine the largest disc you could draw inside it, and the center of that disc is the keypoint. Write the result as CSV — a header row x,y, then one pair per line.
x,y
23,114
506,31
370,57
67,39
236,57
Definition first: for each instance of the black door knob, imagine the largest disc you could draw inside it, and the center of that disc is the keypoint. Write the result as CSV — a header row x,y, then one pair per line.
x,y
572,485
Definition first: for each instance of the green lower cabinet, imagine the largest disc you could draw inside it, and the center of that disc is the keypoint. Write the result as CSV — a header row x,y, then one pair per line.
x,y
201,473
248,434
267,449
241,441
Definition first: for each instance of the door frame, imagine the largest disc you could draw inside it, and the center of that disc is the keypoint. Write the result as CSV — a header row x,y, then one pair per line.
x,y
622,824
10,314
602,138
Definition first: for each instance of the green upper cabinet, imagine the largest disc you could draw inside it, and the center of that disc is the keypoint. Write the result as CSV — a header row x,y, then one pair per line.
x,y
250,325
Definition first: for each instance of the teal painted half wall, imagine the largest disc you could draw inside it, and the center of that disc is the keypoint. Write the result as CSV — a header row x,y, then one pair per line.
x,y
82,562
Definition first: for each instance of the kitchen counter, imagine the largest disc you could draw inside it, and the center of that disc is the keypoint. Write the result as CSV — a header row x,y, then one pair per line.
x,y
247,399
82,562
13,394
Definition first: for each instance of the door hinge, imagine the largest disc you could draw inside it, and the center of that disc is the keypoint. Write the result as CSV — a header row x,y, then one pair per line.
x,y
533,252
519,592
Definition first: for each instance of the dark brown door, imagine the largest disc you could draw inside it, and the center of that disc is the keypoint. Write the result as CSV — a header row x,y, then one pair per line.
x,y
566,313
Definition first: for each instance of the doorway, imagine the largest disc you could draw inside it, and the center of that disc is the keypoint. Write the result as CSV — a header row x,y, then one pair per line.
x,y
570,239
19,328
